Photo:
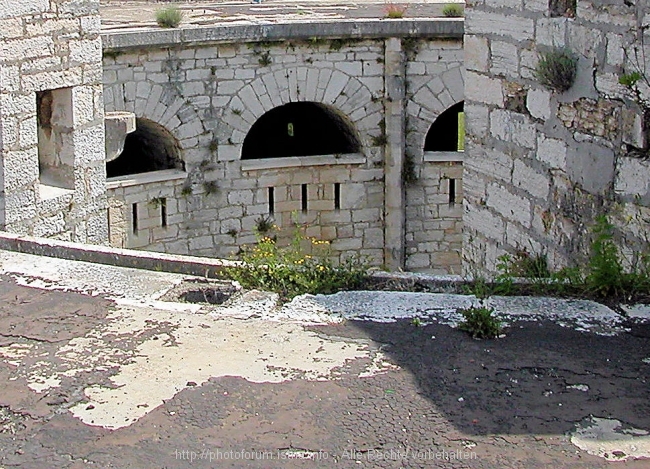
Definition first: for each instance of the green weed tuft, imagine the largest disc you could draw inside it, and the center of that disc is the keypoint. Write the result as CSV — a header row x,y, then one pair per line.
x,y
480,322
453,10
556,69
293,270
394,11
169,17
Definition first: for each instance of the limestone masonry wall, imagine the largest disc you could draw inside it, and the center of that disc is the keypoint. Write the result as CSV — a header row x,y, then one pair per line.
x,y
435,82
209,96
541,165
51,129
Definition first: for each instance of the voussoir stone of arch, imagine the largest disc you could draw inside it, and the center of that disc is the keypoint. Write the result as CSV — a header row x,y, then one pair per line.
x,y
160,104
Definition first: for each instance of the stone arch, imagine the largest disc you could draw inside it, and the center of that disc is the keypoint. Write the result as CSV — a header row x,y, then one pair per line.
x,y
160,103
151,147
335,89
302,128
445,133
431,96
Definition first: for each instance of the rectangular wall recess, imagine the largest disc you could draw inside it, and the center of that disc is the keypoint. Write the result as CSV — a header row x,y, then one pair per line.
x,y
304,198
271,199
134,218
163,212
452,191
337,196
54,126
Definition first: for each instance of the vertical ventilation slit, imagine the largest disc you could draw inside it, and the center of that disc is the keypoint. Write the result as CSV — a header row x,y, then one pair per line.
x,y
163,212
271,200
452,191
304,198
337,196
134,218
108,223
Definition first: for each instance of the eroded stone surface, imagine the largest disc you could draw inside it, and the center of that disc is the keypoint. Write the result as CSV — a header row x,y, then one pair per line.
x,y
611,439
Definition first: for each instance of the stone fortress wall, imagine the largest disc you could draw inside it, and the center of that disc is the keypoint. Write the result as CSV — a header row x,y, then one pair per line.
x,y
540,166
52,169
204,96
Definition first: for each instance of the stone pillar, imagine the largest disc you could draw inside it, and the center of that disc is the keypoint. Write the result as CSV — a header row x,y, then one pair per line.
x,y
394,203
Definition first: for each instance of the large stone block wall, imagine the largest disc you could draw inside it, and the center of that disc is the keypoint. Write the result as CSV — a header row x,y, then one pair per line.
x,y
209,96
541,165
433,223
51,67
207,223
435,82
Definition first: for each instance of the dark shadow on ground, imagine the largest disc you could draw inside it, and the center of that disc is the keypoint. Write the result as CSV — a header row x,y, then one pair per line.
x,y
521,384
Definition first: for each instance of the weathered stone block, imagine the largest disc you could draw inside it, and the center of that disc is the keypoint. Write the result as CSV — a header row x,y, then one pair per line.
x,y
633,177
504,59
552,151
530,180
513,127
483,89
538,103
497,24
634,129
511,206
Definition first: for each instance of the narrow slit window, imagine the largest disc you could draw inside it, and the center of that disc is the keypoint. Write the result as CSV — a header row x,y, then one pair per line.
x,y
304,198
134,218
452,191
163,212
271,200
337,196
108,222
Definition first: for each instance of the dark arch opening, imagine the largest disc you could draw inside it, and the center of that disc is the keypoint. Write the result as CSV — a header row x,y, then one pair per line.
x,y
447,133
300,129
151,147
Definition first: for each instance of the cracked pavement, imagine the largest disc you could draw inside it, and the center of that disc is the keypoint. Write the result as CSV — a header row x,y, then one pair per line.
x,y
106,367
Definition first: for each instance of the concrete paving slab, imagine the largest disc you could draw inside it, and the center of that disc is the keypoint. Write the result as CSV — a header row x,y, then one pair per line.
x,y
102,367
120,15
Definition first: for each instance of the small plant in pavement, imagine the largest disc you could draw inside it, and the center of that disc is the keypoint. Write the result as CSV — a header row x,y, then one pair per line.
x,y
480,322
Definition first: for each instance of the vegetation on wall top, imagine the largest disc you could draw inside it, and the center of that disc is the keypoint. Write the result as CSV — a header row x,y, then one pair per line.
x,y
169,17
394,11
453,10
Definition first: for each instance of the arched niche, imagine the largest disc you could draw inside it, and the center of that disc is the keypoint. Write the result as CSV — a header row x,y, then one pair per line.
x,y
447,133
300,129
151,147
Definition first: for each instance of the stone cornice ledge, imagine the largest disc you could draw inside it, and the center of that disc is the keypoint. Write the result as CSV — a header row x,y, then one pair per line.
x,y
302,161
351,28
140,179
